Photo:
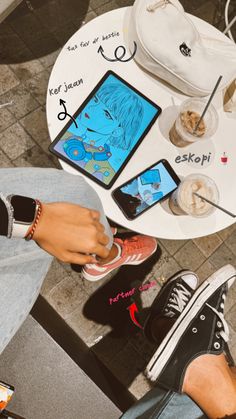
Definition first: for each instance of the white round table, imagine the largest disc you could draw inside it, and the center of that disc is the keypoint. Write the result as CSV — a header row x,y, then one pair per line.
x,y
78,69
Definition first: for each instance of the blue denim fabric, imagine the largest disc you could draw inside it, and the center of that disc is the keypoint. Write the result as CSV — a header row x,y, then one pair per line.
x,y
23,265
163,404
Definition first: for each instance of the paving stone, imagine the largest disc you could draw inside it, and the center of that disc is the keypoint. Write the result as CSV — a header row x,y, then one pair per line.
x,y
23,101
142,345
55,275
89,16
107,348
205,270
230,242
63,33
94,4
127,365
231,300
111,5
35,124
189,256
140,386
206,12
36,157
172,246
191,6
224,234
8,80
6,119
64,11
4,160
222,256
231,317
88,330
49,59
232,342
37,86
26,70
208,244
67,296
13,48
14,141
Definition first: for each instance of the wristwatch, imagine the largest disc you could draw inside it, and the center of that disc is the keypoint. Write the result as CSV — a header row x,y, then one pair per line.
x,y
24,213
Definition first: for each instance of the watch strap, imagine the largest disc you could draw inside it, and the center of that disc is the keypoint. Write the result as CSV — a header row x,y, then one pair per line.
x,y
6,217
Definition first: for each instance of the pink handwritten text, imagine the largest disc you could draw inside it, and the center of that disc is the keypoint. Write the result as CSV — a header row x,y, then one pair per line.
x,y
129,293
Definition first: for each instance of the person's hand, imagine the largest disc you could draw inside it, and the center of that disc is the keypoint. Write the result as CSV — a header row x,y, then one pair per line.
x,y
71,233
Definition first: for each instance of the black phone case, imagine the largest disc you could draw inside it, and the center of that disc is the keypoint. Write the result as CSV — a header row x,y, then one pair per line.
x,y
170,171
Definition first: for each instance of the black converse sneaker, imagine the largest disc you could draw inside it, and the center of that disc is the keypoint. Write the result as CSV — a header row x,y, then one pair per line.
x,y
200,329
169,303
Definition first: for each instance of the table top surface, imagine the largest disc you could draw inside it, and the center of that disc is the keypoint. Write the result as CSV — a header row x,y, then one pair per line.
x,y
79,67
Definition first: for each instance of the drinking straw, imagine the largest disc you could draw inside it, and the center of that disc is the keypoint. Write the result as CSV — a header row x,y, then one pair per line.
x,y
208,103
215,205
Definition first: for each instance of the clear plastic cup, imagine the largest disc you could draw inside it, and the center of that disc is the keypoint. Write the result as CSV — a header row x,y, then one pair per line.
x,y
183,201
182,132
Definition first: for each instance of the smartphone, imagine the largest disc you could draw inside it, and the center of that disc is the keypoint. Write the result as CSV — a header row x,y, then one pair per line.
x,y
146,189
6,393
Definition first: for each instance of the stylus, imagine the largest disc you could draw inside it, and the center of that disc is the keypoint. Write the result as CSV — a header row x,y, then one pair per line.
x,y
215,205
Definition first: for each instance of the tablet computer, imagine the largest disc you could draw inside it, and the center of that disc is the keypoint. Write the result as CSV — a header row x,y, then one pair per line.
x,y
108,128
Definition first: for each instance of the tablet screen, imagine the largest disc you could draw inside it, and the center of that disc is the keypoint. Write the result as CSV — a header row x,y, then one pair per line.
x,y
110,124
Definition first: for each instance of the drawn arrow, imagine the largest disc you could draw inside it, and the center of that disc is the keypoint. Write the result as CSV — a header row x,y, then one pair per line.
x,y
118,57
132,310
62,115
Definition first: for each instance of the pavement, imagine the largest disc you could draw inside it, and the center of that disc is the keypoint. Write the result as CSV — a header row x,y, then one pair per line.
x,y
30,40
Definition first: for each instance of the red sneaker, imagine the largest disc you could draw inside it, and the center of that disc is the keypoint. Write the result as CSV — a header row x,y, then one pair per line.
x,y
133,252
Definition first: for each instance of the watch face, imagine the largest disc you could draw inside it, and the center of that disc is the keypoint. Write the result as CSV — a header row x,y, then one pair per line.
x,y
24,208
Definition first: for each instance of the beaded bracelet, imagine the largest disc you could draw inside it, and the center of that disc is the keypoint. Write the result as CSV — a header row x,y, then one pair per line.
x,y
36,220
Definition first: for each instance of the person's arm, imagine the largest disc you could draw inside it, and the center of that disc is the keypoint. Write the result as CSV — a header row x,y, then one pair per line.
x,y
70,232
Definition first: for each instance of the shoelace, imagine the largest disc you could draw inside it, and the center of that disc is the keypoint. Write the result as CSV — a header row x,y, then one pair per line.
x,y
160,3
132,244
223,333
179,298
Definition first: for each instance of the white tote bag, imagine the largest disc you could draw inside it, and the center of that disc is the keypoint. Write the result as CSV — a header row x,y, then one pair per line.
x,y
170,47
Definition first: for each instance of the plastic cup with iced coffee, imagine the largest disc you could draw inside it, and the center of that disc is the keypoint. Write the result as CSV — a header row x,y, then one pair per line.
x,y
183,131
183,201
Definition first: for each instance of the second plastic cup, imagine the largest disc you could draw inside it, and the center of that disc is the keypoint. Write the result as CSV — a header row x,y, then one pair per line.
x,y
182,132
183,201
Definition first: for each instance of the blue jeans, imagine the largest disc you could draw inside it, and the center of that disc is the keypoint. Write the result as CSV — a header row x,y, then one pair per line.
x,y
23,267
163,404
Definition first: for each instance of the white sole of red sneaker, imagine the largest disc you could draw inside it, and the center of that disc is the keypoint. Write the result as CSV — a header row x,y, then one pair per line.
x,y
93,278
226,274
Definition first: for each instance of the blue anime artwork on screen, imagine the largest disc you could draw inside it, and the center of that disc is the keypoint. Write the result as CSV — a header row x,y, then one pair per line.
x,y
147,189
109,127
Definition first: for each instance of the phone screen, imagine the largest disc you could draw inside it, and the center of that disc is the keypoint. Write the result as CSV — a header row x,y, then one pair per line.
x,y
146,189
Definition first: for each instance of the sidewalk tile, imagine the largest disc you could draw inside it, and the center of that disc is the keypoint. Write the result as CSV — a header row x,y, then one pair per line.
x,y
67,296
14,141
172,246
5,161
35,124
6,118
37,86
140,386
8,79
222,256
55,275
23,101
35,157
189,256
26,69
208,244
230,242
205,270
